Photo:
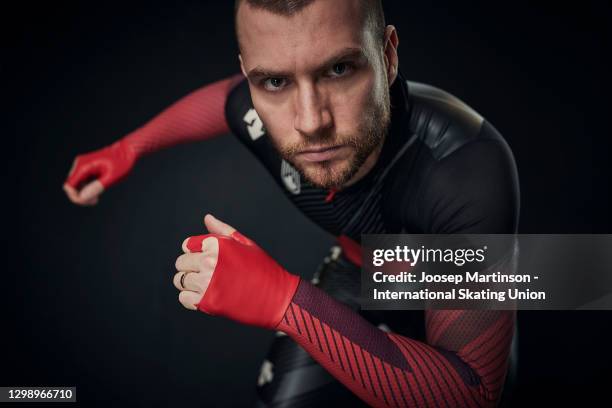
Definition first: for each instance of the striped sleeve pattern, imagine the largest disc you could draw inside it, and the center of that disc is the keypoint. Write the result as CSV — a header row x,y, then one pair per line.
x,y
197,116
463,363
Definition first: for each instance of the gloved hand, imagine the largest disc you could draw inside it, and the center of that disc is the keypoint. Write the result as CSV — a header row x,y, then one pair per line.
x,y
93,172
224,273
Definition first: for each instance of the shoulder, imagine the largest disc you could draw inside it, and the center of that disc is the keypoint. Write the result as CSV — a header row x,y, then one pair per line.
x,y
241,116
455,137
443,122
468,181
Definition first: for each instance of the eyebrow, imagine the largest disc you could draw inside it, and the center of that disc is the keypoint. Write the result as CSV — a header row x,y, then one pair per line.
x,y
346,53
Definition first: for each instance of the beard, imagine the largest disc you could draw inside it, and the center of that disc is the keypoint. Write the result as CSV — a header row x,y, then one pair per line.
x,y
333,174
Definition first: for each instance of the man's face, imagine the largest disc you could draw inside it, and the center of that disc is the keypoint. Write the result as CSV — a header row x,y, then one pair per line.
x,y
319,84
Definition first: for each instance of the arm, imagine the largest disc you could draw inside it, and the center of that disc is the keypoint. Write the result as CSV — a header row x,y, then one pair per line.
x,y
464,361
198,116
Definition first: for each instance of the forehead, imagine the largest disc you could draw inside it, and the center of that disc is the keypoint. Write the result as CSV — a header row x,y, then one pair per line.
x,y
301,40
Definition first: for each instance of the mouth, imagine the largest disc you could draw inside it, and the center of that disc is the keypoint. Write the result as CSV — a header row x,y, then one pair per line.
x,y
319,154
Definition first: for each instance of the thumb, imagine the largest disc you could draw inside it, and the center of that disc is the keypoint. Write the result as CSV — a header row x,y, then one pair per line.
x,y
215,226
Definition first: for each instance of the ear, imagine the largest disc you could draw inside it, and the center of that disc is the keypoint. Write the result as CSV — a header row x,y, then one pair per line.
x,y
391,42
242,65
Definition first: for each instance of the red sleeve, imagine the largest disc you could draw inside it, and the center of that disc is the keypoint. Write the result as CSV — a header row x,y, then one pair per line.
x,y
198,116
463,363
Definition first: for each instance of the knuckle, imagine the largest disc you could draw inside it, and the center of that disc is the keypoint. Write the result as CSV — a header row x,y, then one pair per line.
x,y
202,281
207,262
176,280
182,297
184,245
196,281
212,262
210,244
178,262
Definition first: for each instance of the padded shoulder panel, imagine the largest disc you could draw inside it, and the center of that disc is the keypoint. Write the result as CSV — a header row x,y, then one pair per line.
x,y
441,120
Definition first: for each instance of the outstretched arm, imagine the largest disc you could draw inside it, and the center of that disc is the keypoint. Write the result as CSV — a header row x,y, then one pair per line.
x,y
198,116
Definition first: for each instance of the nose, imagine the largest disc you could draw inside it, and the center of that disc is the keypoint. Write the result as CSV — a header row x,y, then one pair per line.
x,y
312,111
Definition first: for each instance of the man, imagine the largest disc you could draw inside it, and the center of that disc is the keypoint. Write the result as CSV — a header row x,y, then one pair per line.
x,y
359,150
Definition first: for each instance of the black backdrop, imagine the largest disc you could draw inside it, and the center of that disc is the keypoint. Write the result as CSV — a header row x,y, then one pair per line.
x,y
87,295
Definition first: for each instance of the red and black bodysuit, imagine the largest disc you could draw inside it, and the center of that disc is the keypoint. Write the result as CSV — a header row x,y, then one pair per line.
x,y
442,169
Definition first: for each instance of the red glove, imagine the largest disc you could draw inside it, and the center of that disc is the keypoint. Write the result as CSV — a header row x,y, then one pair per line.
x,y
109,165
247,285
197,116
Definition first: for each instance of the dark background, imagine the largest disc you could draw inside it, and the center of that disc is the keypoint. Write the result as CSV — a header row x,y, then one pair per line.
x,y
87,295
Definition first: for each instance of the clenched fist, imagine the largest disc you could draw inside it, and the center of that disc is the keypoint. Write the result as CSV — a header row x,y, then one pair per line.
x,y
93,172
225,273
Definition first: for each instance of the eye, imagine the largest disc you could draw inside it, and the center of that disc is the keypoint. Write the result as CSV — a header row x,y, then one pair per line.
x,y
274,84
339,69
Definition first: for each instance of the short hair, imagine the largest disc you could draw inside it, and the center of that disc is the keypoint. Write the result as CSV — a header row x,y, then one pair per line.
x,y
372,11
